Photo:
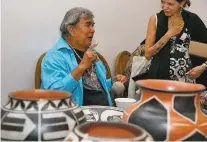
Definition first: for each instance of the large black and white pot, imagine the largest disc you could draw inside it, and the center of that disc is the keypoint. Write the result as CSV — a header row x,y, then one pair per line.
x,y
39,115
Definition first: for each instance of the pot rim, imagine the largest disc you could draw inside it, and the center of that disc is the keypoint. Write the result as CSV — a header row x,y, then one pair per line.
x,y
141,85
39,90
143,132
102,107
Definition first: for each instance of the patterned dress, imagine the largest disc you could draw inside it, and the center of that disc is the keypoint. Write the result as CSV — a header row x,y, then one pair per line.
x,y
180,62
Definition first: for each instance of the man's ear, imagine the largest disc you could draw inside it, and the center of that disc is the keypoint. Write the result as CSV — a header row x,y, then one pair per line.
x,y
70,29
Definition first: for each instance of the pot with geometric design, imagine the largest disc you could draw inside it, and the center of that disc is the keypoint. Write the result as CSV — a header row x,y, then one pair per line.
x,y
169,110
108,132
39,115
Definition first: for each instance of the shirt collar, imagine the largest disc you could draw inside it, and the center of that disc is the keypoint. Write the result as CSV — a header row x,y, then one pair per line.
x,y
62,43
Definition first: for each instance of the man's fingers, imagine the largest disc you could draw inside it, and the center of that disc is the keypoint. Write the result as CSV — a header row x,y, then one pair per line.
x,y
94,55
92,46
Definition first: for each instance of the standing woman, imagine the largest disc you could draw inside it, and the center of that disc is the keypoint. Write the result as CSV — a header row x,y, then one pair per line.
x,y
168,39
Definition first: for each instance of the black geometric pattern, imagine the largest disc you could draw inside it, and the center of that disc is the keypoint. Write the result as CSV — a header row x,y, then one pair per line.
x,y
148,111
21,119
196,137
3,113
34,134
32,105
102,113
180,106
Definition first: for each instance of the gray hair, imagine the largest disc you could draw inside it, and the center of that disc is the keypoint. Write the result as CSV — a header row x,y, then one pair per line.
x,y
72,17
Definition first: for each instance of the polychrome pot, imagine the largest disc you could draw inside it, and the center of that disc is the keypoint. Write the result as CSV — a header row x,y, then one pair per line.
x,y
169,111
102,113
108,131
39,115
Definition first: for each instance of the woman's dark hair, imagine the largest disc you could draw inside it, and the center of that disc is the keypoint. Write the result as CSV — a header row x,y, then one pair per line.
x,y
187,3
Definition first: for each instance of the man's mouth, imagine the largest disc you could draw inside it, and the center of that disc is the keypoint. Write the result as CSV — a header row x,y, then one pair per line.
x,y
90,37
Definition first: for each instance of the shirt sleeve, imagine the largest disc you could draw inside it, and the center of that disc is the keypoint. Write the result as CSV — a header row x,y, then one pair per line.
x,y
55,75
109,83
103,69
199,33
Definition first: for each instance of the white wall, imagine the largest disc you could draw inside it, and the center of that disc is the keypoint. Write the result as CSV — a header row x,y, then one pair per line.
x,y
199,7
31,27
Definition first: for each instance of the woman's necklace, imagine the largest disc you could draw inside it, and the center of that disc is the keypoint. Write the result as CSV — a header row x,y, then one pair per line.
x,y
92,73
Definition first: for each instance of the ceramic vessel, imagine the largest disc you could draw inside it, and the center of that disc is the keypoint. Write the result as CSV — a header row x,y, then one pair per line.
x,y
123,103
102,113
39,115
169,111
108,131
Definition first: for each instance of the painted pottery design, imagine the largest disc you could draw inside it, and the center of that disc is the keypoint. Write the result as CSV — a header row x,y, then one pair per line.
x,y
169,110
39,115
108,131
102,113
204,102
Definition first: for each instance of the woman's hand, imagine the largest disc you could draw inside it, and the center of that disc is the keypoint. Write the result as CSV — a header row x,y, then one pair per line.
x,y
196,72
175,26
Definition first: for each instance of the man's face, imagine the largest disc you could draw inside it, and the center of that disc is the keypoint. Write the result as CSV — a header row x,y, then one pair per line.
x,y
170,7
84,31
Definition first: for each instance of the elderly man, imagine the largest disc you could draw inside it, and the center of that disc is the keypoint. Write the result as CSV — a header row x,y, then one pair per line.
x,y
72,64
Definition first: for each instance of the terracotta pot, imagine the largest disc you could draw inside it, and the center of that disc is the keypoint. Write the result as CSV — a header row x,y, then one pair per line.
x,y
169,110
39,115
108,131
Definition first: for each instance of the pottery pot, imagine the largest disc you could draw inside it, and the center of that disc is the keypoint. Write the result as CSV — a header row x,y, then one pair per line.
x,y
102,113
39,115
108,131
169,110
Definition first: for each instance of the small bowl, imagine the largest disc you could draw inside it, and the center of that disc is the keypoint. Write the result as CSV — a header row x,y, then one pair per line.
x,y
124,102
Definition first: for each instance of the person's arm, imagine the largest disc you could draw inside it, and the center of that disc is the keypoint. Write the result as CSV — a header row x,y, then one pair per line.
x,y
56,76
150,48
150,37
102,68
197,71
205,65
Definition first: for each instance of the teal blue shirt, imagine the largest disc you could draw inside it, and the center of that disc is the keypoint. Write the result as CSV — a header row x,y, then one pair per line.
x,y
56,68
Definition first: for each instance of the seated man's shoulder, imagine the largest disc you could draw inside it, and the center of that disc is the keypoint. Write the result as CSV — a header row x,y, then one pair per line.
x,y
53,55
58,52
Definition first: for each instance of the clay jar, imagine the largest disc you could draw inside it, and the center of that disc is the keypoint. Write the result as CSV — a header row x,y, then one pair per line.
x,y
169,110
39,115
108,131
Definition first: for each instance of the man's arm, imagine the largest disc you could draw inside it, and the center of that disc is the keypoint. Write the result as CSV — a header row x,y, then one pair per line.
x,y
55,75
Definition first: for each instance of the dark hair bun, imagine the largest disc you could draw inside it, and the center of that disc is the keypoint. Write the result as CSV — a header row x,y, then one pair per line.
x,y
187,3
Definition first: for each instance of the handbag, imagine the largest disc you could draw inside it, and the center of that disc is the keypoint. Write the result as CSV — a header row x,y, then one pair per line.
x,y
139,70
